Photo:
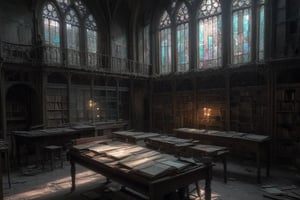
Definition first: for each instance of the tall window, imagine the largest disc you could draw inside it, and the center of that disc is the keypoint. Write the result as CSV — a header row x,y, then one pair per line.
x,y
76,18
261,30
209,34
91,39
72,27
165,44
241,31
147,44
144,49
51,33
182,39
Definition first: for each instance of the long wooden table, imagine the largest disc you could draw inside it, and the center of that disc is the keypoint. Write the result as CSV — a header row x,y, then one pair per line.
x,y
133,137
123,163
52,136
258,144
189,148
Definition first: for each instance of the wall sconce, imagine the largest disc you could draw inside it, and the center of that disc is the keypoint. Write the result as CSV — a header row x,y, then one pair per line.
x,y
206,112
92,104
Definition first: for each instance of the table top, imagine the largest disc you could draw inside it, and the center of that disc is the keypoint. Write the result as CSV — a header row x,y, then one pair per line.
x,y
135,135
208,148
132,159
225,134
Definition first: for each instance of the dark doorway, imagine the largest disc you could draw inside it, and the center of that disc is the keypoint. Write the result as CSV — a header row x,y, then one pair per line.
x,y
22,108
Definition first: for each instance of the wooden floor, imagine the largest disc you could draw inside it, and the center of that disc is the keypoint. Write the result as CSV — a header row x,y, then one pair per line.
x,y
31,183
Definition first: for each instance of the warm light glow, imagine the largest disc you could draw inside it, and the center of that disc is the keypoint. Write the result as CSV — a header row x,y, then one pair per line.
x,y
92,104
63,184
207,112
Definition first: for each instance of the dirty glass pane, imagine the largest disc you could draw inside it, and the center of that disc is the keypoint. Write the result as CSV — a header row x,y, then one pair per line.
x,y
165,44
182,39
209,34
241,31
261,35
165,50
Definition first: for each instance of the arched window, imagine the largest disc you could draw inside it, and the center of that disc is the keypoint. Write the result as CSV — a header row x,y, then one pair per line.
x,y
165,44
182,39
91,40
51,34
78,22
72,33
209,34
241,31
261,30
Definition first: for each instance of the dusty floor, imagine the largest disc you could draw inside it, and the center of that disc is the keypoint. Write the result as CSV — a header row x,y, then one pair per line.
x,y
44,184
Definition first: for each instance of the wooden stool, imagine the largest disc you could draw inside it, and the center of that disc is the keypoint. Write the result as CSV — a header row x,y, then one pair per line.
x,y
53,150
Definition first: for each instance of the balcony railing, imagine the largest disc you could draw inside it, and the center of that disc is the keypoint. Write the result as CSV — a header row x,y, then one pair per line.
x,y
72,59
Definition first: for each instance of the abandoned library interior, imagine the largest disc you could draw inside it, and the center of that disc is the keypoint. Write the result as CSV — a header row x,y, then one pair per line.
x,y
150,100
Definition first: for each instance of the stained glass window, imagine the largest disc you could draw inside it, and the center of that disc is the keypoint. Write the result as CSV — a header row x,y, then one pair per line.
x,y
63,4
209,34
191,1
241,31
92,40
147,44
91,29
72,27
261,30
81,7
51,25
51,33
144,45
165,44
182,39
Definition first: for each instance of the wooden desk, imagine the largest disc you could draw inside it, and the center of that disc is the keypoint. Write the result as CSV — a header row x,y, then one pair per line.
x,y
133,137
169,144
257,144
128,174
190,148
212,152
53,136
108,127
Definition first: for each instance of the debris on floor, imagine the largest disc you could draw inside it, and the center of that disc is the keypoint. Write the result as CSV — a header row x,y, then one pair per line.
x,y
289,192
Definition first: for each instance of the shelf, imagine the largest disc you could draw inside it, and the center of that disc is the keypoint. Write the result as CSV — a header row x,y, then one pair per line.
x,y
16,119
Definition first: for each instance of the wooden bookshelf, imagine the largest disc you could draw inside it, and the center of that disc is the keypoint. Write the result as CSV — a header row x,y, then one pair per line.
x,y
57,110
287,119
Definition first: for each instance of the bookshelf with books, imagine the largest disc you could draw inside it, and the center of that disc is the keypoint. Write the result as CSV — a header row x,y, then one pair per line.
x,y
57,110
288,119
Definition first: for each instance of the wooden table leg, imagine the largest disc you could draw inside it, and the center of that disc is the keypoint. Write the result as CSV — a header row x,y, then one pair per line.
x,y
258,163
268,160
1,184
208,183
7,160
225,168
73,173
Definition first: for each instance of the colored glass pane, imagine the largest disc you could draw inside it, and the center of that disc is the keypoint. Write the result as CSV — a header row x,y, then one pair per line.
x,y
241,31
165,50
261,32
165,44
209,34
